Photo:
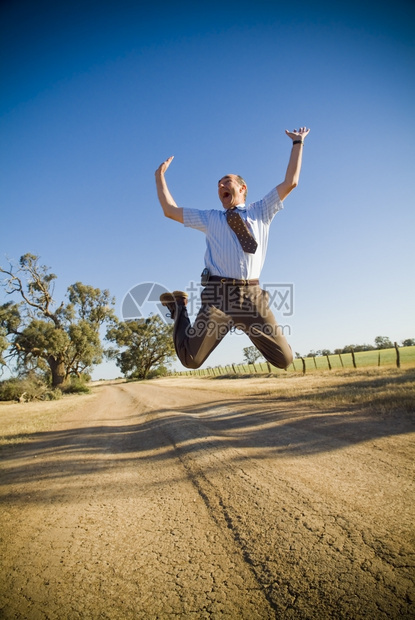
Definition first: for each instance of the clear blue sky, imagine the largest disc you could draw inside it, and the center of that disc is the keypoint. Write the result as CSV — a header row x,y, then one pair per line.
x,y
94,95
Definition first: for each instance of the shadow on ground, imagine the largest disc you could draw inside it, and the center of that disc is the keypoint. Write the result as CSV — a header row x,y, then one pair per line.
x,y
268,426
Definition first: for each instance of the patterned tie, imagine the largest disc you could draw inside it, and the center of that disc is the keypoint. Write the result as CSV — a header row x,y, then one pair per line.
x,y
241,230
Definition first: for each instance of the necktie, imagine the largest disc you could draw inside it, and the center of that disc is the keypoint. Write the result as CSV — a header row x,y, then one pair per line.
x,y
241,230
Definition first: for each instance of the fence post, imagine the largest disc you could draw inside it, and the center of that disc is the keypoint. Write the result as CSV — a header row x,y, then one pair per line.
x,y
303,360
341,360
398,357
328,362
353,358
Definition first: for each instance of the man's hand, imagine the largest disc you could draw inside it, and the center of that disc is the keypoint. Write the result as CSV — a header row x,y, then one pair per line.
x,y
170,208
294,165
298,135
163,167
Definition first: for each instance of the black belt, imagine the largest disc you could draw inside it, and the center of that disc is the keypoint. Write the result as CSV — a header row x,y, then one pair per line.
x,y
234,281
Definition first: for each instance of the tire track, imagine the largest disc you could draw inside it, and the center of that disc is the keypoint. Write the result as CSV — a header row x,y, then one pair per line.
x,y
219,513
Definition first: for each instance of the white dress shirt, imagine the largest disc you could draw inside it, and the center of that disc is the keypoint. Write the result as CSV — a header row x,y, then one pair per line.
x,y
224,255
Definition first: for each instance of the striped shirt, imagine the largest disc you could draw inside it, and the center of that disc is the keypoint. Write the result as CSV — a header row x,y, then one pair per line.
x,y
224,255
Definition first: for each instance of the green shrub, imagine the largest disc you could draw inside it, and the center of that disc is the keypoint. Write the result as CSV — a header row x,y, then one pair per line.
x,y
75,385
54,394
26,389
10,389
160,371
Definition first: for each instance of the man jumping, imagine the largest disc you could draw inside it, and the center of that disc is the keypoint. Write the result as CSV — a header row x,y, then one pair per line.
x,y
236,245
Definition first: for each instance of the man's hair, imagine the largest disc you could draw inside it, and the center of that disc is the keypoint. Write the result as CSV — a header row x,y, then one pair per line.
x,y
242,181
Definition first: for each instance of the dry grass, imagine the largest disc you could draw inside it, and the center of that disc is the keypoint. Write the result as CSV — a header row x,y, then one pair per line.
x,y
19,421
383,390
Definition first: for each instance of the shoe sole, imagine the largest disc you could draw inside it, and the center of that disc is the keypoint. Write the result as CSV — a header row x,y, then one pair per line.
x,y
169,298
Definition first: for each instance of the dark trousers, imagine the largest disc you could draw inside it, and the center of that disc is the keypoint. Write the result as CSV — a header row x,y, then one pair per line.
x,y
226,306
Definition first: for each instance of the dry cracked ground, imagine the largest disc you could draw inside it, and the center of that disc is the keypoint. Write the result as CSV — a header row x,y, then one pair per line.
x,y
187,498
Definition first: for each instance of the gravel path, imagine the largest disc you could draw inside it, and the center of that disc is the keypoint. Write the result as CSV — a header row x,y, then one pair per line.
x,y
169,500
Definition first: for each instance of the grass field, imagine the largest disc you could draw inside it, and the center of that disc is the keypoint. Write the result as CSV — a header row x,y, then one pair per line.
x,y
376,383
364,359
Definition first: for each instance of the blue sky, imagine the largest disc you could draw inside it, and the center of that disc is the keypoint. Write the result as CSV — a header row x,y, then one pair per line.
x,y
96,94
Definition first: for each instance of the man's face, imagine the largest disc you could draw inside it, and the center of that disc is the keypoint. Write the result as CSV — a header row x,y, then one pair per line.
x,y
231,192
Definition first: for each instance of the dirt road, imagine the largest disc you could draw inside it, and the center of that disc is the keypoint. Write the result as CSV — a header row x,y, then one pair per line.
x,y
198,499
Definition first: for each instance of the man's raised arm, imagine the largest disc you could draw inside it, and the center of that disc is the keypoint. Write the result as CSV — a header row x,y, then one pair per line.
x,y
170,208
294,165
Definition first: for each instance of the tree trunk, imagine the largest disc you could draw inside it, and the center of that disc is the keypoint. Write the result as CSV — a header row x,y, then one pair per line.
x,y
58,370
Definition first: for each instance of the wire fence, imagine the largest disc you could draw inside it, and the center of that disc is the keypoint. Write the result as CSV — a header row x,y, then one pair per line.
x,y
396,356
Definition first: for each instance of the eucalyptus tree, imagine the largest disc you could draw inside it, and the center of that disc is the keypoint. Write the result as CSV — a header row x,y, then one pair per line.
x,y
62,339
146,344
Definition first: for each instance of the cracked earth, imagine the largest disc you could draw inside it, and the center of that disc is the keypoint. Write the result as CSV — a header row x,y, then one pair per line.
x,y
187,498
